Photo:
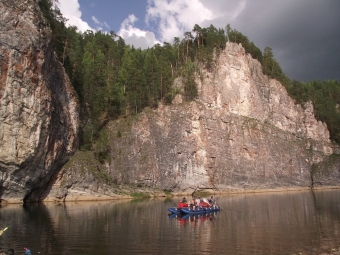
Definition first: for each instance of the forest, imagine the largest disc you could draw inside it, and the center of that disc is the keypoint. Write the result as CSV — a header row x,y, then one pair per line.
x,y
113,79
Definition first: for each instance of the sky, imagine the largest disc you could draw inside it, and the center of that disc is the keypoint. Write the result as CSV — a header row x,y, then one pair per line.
x,y
303,34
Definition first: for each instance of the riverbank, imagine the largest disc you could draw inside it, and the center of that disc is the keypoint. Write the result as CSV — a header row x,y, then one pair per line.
x,y
252,191
75,196
128,194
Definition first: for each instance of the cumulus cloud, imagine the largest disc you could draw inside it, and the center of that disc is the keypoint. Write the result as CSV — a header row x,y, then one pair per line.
x,y
174,18
135,36
71,11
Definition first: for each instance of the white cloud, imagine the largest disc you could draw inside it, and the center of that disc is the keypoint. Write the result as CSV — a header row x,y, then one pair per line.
x,y
135,36
99,24
70,10
176,17
95,20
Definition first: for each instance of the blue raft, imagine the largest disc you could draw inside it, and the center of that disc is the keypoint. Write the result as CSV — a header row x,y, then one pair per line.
x,y
190,210
174,210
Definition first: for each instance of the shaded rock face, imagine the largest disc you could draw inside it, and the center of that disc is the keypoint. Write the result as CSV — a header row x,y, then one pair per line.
x,y
243,133
38,107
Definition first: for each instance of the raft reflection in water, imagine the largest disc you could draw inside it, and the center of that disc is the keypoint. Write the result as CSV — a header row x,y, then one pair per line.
x,y
200,217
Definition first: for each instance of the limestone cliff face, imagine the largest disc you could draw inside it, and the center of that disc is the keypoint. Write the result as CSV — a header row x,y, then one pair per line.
x,y
38,107
238,86
243,133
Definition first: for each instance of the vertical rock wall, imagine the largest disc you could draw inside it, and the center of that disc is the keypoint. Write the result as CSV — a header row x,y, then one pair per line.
x,y
38,107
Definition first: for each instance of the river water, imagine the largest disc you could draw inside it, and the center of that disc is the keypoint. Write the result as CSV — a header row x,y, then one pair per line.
x,y
272,223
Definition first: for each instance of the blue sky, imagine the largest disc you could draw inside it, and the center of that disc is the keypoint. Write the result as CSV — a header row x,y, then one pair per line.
x,y
112,12
304,34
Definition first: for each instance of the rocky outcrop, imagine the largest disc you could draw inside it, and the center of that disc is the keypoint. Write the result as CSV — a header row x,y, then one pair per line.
x,y
237,86
243,133
38,107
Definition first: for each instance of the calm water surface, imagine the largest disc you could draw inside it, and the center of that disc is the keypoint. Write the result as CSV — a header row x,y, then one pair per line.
x,y
275,223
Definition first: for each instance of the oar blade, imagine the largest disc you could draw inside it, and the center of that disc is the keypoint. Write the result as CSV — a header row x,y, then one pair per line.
x,y
2,231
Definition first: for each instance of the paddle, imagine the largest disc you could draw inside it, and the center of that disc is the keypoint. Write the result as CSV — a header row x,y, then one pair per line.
x,y
1,231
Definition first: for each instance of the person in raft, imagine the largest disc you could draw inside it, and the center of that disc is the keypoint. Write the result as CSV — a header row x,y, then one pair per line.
x,y
212,201
27,251
183,203
197,201
191,203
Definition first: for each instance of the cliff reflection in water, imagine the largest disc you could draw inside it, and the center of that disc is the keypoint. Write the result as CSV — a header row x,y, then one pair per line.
x,y
276,223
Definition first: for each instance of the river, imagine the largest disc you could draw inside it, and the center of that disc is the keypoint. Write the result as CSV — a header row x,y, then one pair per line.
x,y
264,223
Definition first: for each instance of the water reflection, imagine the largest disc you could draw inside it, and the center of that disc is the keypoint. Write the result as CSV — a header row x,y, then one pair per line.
x,y
282,223
199,217
278,223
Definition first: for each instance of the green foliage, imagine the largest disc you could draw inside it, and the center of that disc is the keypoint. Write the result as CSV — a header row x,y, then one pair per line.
x,y
86,137
54,17
208,41
272,68
190,86
238,37
139,195
201,193
167,193
325,96
102,148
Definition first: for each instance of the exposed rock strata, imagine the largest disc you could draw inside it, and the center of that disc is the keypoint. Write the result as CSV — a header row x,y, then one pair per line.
x,y
38,107
243,133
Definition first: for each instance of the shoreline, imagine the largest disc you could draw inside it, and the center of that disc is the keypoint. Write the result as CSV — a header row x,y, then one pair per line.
x,y
95,197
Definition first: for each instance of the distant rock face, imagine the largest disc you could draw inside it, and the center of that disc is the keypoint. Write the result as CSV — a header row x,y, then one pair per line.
x,y
238,87
243,133
38,107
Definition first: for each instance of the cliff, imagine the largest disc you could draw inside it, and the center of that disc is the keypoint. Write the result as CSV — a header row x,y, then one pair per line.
x,y
38,107
243,133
